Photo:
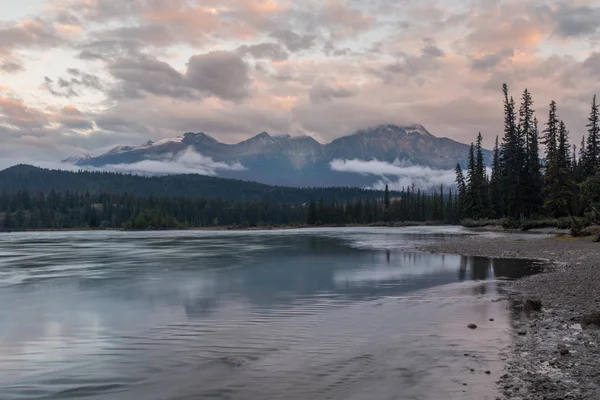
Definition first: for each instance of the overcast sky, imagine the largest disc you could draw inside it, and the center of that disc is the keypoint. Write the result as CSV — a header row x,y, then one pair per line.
x,y
84,75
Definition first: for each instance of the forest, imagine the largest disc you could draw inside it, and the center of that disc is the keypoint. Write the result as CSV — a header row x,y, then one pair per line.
x,y
76,210
35,198
524,186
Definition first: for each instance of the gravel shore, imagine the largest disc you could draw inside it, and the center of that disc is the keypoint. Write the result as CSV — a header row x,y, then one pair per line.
x,y
551,356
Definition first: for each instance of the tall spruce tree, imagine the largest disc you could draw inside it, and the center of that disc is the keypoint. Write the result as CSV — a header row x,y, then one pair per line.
x,y
550,140
496,184
473,201
386,204
535,180
592,161
461,196
512,156
526,120
483,196
582,166
528,150
564,148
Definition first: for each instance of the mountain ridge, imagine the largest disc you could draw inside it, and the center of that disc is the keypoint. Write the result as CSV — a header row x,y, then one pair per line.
x,y
300,160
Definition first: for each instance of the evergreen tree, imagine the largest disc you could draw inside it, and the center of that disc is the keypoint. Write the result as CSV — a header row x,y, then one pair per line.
x,y
575,167
564,148
482,181
461,188
449,214
528,149
311,218
512,156
550,140
496,184
473,195
592,160
386,204
582,164
535,182
526,120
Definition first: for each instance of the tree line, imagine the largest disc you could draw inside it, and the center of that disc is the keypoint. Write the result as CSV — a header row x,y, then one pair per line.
x,y
76,210
523,184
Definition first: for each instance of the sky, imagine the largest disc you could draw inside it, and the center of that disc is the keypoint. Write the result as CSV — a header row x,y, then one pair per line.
x,y
80,76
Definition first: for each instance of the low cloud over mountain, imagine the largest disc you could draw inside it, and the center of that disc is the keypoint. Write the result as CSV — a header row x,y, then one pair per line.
x,y
400,156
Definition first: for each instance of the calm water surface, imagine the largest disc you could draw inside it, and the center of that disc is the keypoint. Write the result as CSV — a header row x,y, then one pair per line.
x,y
311,314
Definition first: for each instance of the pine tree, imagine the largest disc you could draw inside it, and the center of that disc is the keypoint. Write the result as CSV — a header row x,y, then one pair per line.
x,y
386,204
461,187
535,181
483,197
575,167
311,218
550,140
496,184
526,120
449,213
512,157
472,199
592,161
564,149
528,149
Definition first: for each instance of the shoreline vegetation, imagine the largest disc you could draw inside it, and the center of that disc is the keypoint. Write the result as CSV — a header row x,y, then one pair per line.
x,y
560,227
527,188
555,350
240,228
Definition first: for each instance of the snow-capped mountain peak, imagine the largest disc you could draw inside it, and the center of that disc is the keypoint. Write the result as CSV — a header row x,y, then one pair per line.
x,y
76,159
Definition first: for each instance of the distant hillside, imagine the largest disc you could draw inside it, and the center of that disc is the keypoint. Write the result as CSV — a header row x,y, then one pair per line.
x,y
37,179
298,161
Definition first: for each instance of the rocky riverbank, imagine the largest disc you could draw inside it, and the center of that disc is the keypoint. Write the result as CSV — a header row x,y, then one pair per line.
x,y
552,355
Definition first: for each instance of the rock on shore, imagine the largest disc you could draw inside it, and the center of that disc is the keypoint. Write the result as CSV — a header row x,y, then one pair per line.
x,y
552,355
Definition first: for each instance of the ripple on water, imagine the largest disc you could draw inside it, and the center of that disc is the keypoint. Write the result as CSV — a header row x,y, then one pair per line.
x,y
333,313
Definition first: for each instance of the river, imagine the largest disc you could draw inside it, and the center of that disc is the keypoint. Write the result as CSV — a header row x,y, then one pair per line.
x,y
334,313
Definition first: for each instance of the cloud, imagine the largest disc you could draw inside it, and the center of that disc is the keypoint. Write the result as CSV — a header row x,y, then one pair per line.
x,y
323,92
492,60
397,176
577,20
187,162
272,51
293,41
221,74
70,85
30,33
148,69
72,118
11,67
344,21
145,74
17,114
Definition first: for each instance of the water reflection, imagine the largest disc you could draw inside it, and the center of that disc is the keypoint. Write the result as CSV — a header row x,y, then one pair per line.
x,y
306,314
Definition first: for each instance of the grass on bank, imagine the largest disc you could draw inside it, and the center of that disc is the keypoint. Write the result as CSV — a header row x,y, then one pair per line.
x,y
525,225
583,228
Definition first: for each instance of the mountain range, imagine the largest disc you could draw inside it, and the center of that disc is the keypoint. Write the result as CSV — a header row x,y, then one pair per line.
x,y
292,161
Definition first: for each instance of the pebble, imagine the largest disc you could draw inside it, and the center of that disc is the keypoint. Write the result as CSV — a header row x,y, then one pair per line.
x,y
570,288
